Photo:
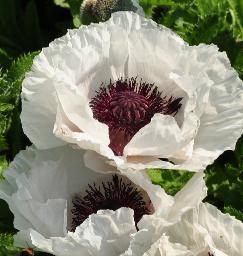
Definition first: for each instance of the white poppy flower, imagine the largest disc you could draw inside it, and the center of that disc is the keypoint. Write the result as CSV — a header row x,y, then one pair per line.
x,y
200,231
63,208
136,93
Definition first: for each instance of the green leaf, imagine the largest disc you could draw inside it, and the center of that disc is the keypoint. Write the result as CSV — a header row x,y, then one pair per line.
x,y
211,7
62,3
8,249
148,6
6,245
236,8
10,85
5,59
239,153
10,88
3,143
224,180
5,107
234,212
75,11
74,6
4,126
19,67
238,61
6,219
3,165
170,180
10,82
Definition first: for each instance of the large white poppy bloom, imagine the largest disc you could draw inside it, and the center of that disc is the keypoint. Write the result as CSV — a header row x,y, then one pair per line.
x,y
63,208
136,93
200,231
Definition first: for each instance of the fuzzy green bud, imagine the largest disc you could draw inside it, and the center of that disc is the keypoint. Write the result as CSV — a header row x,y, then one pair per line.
x,y
101,10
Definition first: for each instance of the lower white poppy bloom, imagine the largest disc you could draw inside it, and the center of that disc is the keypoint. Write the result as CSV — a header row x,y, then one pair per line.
x,y
136,93
200,231
63,208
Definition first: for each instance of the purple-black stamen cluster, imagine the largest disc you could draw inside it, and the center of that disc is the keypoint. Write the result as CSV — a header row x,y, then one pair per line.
x,y
128,105
110,195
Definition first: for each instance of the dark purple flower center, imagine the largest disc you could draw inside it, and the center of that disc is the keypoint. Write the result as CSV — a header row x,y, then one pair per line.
x,y
110,195
126,106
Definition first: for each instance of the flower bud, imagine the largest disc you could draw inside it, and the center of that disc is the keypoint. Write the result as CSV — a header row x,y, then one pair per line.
x,y
101,10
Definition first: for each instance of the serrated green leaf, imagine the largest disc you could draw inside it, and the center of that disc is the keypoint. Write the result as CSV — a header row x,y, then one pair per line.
x,y
234,212
19,67
211,7
6,245
170,180
10,88
236,8
10,83
4,122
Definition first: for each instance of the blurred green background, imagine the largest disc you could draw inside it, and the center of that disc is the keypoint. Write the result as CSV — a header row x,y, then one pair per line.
x,y
26,26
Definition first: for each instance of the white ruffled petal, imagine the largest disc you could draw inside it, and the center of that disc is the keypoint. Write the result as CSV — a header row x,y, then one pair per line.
x,y
139,9
29,238
187,232
83,123
163,247
140,243
225,230
37,118
221,122
154,68
105,233
204,229
48,218
190,196
162,129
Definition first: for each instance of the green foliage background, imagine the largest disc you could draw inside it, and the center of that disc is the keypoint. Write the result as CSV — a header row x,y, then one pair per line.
x,y
28,25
